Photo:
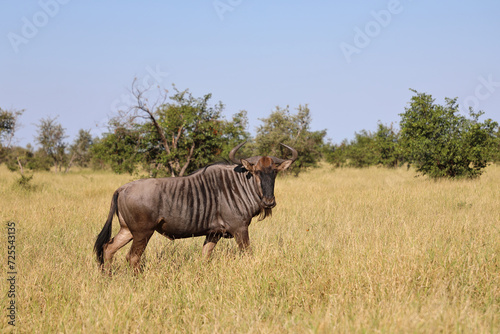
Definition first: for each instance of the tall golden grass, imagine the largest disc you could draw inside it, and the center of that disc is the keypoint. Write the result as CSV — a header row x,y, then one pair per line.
x,y
346,250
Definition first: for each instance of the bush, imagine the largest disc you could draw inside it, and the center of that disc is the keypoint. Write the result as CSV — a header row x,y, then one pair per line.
x,y
15,156
25,181
440,142
366,149
386,146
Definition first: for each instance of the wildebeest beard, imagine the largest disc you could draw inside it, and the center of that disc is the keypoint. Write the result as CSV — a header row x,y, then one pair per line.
x,y
265,212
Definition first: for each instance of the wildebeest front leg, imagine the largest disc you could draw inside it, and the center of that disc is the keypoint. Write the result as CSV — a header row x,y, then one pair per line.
x,y
243,240
209,245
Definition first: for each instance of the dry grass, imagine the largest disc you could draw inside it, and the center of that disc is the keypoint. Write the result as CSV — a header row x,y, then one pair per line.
x,y
346,250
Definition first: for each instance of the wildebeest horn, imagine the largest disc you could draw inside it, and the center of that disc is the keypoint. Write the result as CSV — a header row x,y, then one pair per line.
x,y
233,152
294,152
294,155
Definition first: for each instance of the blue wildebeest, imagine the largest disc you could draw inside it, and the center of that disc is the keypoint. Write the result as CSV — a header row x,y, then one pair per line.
x,y
217,201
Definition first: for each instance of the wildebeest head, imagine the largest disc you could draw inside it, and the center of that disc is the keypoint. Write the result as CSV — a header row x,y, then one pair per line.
x,y
264,169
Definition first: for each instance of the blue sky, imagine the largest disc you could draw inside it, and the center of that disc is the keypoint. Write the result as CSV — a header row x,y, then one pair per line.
x,y
352,62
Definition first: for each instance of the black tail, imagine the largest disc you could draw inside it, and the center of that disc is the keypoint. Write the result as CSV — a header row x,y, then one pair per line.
x,y
105,235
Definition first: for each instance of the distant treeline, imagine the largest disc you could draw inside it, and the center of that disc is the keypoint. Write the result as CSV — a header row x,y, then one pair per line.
x,y
436,139
177,135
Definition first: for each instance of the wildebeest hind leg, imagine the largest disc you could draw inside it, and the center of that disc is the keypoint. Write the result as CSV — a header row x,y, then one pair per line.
x,y
122,238
138,246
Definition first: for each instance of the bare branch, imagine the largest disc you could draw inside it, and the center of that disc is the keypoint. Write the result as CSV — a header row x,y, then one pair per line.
x,y
176,139
143,106
146,111
188,160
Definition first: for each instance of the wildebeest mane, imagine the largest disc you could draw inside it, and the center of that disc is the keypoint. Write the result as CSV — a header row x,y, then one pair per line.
x,y
203,169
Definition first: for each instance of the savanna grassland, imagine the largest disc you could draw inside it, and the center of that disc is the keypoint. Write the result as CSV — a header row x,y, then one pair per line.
x,y
346,250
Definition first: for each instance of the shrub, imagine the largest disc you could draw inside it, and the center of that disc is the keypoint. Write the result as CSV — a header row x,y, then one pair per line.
x,y
440,142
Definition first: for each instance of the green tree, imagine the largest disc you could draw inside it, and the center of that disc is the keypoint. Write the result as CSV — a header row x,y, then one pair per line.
x,y
336,154
9,122
171,136
294,130
193,129
235,132
386,146
495,154
79,151
51,135
20,158
361,151
442,143
119,148
367,149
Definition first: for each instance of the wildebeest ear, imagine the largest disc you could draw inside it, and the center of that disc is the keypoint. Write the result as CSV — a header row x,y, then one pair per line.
x,y
284,165
248,166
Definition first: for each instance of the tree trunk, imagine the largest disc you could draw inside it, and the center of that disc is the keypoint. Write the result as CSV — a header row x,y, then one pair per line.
x,y
20,166
70,163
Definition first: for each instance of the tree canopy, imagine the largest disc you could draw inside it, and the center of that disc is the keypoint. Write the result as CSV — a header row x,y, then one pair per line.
x,y
282,126
174,137
442,143
9,122
50,136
